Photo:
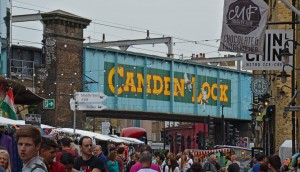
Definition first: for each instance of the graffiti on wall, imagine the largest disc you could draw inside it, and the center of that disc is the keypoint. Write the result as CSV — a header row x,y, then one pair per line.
x,y
41,74
50,44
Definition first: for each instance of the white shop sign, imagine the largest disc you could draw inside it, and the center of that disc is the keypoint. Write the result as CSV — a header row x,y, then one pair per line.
x,y
274,43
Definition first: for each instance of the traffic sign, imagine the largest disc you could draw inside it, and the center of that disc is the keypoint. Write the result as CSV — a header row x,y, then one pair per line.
x,y
49,104
94,106
105,132
105,127
84,97
105,124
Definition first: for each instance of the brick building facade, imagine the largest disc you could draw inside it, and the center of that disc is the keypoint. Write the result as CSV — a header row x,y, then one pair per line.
x,y
62,74
283,125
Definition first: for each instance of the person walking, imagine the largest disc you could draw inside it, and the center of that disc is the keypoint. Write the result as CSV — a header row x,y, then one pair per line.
x,y
260,158
48,153
112,163
136,167
5,161
146,160
173,164
159,160
212,164
66,147
285,165
97,150
234,166
87,162
99,153
134,158
67,160
120,153
29,142
184,165
274,163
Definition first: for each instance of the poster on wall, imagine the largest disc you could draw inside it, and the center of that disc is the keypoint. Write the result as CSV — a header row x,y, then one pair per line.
x,y
33,119
244,24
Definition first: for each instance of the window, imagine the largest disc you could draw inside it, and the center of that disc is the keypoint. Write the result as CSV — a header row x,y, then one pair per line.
x,y
23,61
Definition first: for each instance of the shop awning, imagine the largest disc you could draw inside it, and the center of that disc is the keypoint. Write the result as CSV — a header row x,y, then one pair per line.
x,y
8,121
22,95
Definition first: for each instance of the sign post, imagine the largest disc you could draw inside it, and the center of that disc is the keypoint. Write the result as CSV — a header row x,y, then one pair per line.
x,y
105,128
88,97
90,101
94,106
75,108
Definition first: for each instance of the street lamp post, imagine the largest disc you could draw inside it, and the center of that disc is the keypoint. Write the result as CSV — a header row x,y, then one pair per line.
x,y
283,75
74,113
293,84
222,125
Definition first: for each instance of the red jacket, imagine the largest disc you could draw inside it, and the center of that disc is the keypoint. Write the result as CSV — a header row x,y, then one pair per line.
x,y
71,151
56,167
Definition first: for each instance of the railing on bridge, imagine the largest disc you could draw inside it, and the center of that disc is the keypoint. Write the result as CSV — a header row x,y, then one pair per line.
x,y
23,70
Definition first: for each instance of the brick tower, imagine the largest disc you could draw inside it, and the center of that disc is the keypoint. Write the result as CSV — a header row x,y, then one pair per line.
x,y
62,73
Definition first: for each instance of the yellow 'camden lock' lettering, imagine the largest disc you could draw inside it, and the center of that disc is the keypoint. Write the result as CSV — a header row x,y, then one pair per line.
x,y
157,84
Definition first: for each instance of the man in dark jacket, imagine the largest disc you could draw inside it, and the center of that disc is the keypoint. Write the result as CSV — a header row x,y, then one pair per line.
x,y
212,164
99,153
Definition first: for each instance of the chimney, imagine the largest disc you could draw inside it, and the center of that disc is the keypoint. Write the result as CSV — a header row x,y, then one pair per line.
x,y
193,56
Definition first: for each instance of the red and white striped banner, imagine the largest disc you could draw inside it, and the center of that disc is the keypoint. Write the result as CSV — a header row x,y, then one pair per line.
x,y
201,152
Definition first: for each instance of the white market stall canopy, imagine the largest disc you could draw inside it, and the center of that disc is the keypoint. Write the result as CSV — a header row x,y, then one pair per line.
x,y
98,136
7,121
115,139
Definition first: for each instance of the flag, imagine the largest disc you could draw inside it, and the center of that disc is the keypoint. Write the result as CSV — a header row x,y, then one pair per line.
x,y
8,109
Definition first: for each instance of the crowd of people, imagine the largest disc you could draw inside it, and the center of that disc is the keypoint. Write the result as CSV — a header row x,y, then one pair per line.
x,y
261,163
40,154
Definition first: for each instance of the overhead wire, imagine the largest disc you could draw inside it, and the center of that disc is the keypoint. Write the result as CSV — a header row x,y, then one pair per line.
x,y
137,29
32,4
85,37
134,29
26,8
20,40
29,28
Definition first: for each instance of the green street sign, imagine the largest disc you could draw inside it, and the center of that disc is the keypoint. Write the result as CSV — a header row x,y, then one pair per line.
x,y
49,104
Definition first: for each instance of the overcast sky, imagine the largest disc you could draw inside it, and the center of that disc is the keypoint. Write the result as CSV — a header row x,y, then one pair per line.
x,y
192,23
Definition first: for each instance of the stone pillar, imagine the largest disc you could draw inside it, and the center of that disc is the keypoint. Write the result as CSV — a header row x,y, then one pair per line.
x,y
63,72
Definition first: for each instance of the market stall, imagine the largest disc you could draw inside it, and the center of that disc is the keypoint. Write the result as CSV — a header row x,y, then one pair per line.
x,y
7,121
97,136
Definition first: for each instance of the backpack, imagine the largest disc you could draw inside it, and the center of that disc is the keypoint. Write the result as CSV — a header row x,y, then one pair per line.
x,y
39,166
